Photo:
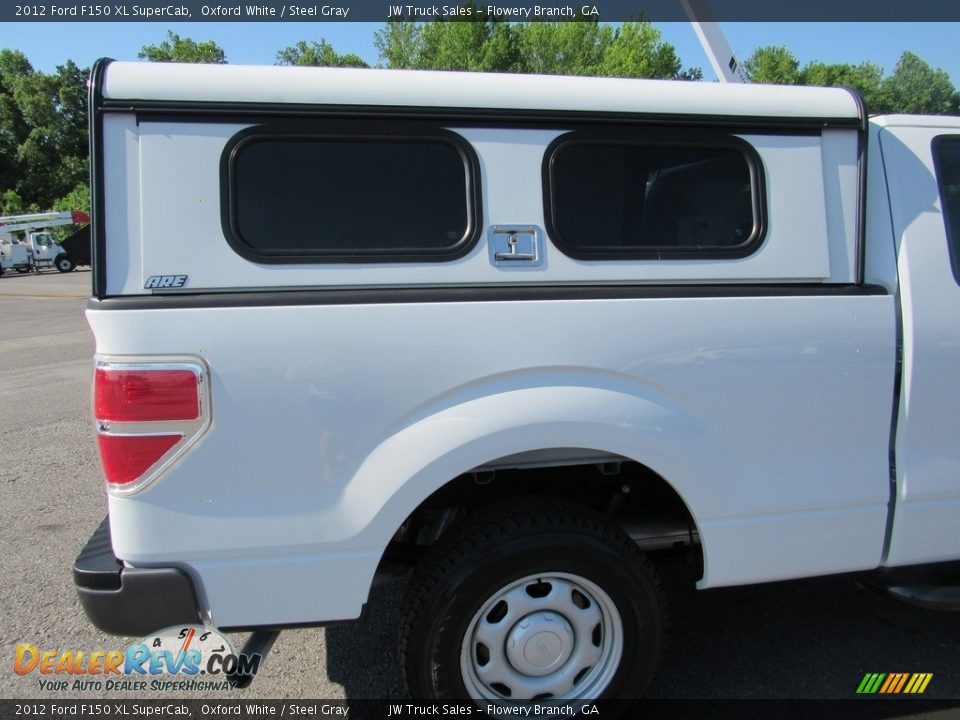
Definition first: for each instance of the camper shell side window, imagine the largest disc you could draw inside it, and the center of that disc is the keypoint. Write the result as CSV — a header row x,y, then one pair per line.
x,y
339,192
649,195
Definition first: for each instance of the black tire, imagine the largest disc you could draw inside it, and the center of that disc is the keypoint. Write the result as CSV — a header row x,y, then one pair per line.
x,y
518,547
23,270
64,263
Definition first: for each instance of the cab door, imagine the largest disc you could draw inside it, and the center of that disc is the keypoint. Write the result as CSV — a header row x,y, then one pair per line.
x,y
922,165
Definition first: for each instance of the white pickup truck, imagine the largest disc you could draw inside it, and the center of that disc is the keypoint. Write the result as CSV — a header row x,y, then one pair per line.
x,y
518,335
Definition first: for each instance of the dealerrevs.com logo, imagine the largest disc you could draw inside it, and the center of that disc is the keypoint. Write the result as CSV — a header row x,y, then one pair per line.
x,y
190,657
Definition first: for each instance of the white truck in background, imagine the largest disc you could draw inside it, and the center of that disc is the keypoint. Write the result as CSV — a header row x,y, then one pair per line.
x,y
13,255
24,240
518,336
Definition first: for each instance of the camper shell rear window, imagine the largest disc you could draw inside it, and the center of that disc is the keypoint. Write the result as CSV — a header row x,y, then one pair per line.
x,y
651,195
349,192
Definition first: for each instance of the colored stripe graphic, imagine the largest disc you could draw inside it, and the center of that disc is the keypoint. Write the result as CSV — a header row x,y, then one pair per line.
x,y
870,683
900,684
894,683
927,677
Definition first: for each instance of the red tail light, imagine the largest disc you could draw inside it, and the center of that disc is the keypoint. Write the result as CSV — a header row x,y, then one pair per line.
x,y
145,395
127,457
147,415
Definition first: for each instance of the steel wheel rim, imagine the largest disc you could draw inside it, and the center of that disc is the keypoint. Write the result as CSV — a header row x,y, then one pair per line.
x,y
545,637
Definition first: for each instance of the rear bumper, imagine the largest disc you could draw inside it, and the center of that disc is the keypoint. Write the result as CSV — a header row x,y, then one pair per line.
x,y
131,601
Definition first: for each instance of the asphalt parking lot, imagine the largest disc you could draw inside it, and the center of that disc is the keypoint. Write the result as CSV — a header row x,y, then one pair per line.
x,y
806,639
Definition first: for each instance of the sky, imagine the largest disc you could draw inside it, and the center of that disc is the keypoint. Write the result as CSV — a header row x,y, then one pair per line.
x,y
49,44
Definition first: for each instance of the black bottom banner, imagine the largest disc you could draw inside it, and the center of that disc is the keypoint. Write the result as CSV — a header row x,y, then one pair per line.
x,y
865,709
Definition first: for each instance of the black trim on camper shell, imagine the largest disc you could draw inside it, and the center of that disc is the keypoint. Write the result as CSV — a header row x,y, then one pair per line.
x,y
860,231
199,111
658,138
273,297
341,131
98,238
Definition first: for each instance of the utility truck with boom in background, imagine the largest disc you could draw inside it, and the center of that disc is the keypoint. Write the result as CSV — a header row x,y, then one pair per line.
x,y
515,336
40,248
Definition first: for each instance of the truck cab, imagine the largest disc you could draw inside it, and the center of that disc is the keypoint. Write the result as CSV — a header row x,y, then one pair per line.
x,y
46,252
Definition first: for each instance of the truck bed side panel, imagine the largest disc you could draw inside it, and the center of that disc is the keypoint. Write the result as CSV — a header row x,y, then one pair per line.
x,y
332,422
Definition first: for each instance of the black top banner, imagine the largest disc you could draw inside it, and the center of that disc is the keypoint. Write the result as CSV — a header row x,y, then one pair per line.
x,y
166,11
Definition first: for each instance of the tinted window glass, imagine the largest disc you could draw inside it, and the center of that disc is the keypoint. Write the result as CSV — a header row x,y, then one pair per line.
x,y
336,199
652,200
947,153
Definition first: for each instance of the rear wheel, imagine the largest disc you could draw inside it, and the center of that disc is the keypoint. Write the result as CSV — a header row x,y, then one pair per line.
x,y
533,601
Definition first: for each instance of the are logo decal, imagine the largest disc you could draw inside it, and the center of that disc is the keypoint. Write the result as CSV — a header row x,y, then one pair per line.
x,y
165,281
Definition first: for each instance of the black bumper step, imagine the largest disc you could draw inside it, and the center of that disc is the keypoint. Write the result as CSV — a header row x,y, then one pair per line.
x,y
96,567
131,601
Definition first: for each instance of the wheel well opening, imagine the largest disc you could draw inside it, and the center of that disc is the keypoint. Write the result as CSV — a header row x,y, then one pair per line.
x,y
628,493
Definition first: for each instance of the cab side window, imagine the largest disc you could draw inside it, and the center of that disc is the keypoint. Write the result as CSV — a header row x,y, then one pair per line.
x,y
946,154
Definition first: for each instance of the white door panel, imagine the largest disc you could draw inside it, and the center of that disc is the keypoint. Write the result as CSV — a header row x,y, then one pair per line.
x,y
926,525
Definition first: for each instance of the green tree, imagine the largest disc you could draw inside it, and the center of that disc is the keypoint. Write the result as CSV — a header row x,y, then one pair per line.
x,y
398,43
76,199
317,54
773,64
915,87
54,152
636,51
183,49
866,78
14,66
12,204
502,49
565,48
481,45
43,132
568,48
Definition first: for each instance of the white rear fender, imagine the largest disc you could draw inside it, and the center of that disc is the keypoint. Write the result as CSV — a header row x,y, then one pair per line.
x,y
419,459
